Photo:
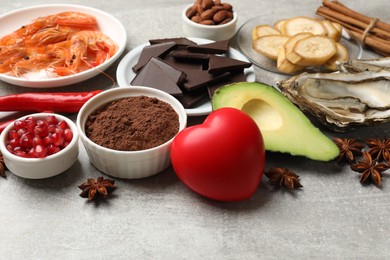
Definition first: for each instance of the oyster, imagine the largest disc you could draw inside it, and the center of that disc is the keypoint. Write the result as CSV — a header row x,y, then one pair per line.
x,y
354,66
342,101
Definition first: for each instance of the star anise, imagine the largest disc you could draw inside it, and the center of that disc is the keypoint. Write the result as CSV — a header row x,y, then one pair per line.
x,y
282,177
370,169
2,166
348,149
100,188
380,149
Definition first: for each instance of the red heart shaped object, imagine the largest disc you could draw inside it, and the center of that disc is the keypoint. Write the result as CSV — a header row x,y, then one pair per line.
x,y
223,158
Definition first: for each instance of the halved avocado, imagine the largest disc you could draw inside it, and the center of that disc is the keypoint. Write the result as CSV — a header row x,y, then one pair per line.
x,y
284,127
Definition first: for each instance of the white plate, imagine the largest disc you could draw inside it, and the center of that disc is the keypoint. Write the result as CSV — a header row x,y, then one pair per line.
x,y
125,74
108,24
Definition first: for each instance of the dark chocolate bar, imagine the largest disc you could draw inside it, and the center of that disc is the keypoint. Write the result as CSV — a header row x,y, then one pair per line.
x,y
181,41
157,74
234,77
197,79
218,47
157,50
219,64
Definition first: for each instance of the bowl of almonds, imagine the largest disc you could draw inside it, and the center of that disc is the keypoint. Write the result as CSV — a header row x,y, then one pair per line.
x,y
208,19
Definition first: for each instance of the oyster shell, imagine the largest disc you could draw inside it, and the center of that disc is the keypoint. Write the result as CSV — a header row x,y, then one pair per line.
x,y
354,66
342,101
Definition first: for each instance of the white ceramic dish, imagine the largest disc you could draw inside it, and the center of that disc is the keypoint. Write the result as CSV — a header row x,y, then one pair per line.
x,y
125,74
212,32
40,168
128,164
244,42
107,23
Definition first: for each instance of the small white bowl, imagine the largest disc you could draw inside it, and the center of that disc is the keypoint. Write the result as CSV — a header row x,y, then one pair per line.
x,y
39,168
128,164
211,32
107,23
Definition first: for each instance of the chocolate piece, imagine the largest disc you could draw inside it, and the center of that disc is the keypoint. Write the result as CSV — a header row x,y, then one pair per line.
x,y
185,54
179,41
157,74
182,64
157,50
197,79
218,47
234,77
219,64
190,99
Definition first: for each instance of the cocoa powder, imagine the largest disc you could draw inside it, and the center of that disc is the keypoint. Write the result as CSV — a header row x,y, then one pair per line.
x,y
133,123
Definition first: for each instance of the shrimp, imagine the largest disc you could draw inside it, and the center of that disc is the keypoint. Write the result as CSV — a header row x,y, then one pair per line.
x,y
89,48
67,42
75,19
49,36
41,24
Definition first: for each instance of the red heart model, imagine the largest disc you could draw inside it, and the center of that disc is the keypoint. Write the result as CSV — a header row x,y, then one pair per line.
x,y
223,158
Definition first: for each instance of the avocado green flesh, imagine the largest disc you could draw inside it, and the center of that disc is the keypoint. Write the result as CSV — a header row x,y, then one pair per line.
x,y
283,126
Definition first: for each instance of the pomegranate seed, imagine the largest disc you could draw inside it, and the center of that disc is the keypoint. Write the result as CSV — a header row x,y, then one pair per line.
x,y
22,131
63,125
13,134
30,119
14,143
19,124
9,148
40,151
41,130
30,122
41,122
37,141
30,153
52,149
65,144
52,128
51,120
47,140
59,130
58,139
26,140
68,135
20,153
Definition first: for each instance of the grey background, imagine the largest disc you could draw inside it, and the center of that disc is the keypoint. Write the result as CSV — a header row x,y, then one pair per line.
x,y
332,217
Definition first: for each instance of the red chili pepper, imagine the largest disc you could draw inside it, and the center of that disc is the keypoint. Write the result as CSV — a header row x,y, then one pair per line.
x,y
67,102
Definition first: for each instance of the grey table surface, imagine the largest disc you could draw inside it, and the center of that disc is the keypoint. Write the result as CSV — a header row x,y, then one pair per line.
x,y
332,217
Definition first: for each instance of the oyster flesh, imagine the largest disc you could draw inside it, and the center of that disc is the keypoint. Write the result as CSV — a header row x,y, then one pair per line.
x,y
341,101
356,65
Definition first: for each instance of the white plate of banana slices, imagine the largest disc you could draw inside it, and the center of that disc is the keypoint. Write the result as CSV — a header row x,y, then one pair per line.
x,y
292,45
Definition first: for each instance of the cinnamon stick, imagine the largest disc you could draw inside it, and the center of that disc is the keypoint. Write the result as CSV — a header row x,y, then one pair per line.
x,y
339,7
352,21
371,32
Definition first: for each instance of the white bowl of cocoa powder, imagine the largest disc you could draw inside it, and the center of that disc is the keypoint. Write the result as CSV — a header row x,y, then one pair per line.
x,y
128,131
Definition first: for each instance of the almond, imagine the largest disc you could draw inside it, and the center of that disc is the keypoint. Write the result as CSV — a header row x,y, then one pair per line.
x,y
196,19
229,14
227,6
217,7
226,20
208,14
191,11
207,22
207,4
200,9
220,16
